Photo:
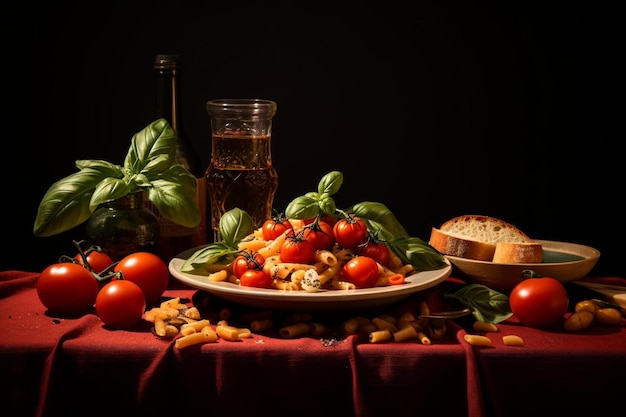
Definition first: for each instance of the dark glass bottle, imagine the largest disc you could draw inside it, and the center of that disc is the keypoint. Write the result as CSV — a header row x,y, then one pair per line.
x,y
176,238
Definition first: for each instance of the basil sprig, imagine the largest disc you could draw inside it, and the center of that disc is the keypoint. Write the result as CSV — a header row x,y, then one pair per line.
x,y
235,225
380,221
149,165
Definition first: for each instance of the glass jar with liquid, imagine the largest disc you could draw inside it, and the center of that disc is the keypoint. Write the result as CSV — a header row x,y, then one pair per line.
x,y
241,174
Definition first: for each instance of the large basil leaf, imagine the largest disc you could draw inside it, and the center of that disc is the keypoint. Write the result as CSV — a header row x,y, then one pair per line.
x,y
304,207
379,219
152,149
174,201
330,183
66,204
215,253
487,305
418,253
235,225
109,189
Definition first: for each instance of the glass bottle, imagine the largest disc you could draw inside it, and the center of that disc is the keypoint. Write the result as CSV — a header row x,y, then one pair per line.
x,y
176,238
123,226
241,173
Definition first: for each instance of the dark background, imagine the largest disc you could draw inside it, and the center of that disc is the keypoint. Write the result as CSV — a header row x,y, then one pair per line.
x,y
436,109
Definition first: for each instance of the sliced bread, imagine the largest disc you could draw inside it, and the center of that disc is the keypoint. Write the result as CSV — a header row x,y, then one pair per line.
x,y
484,229
476,237
461,246
518,252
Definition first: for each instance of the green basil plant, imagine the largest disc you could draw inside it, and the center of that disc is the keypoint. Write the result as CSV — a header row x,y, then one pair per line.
x,y
149,166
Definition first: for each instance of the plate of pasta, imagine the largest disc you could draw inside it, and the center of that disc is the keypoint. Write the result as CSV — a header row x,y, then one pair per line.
x,y
300,300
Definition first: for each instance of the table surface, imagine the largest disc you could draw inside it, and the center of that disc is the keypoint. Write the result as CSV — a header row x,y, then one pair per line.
x,y
60,365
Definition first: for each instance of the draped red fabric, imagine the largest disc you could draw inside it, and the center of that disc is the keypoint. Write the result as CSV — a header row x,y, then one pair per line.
x,y
54,366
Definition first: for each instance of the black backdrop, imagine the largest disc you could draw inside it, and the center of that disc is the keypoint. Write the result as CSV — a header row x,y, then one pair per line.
x,y
436,109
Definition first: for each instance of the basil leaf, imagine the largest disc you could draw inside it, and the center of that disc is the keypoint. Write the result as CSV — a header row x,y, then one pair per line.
x,y
304,207
108,169
330,183
235,225
379,219
175,201
152,149
416,252
66,204
487,305
109,189
212,254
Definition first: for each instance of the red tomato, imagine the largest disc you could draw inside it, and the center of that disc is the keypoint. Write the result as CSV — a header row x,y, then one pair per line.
x,y
120,304
146,270
98,261
377,251
247,261
362,271
351,232
320,235
539,302
274,227
67,288
256,278
331,220
296,249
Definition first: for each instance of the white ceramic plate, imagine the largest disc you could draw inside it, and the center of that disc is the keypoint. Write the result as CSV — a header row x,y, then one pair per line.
x,y
563,261
302,300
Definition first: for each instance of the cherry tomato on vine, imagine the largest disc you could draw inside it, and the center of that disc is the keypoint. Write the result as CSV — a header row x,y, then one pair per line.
x,y
146,270
274,227
256,278
120,304
320,235
539,302
362,271
375,250
296,249
67,288
350,232
98,261
247,261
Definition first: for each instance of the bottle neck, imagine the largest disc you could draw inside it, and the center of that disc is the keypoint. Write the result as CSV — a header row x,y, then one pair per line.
x,y
168,106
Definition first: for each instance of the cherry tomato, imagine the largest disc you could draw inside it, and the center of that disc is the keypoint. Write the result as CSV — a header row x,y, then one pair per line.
x,y
120,304
246,261
296,249
539,302
98,261
362,271
274,227
320,235
331,220
67,288
376,250
256,278
146,270
350,232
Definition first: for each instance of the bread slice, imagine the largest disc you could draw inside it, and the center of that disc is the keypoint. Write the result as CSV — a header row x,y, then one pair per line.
x,y
463,247
476,237
484,229
517,253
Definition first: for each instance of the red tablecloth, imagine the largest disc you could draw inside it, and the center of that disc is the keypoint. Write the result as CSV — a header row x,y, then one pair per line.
x,y
60,366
